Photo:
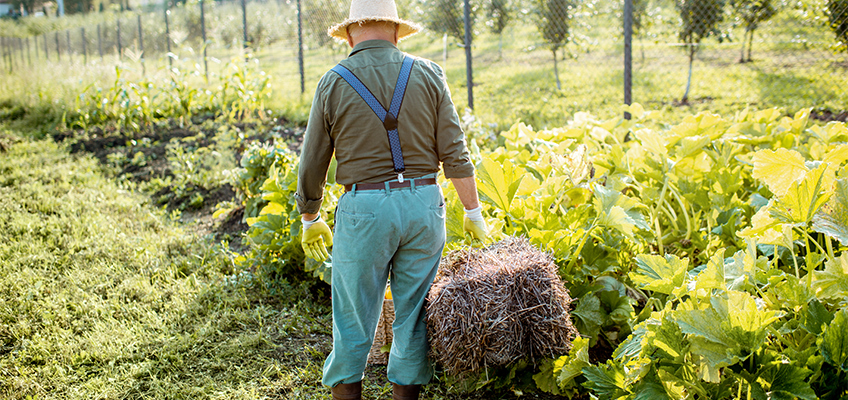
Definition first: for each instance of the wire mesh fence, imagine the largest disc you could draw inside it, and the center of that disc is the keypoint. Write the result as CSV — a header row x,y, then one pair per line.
x,y
773,52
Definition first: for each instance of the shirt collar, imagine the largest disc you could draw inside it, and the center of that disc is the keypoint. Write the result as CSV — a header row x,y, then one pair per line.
x,y
372,44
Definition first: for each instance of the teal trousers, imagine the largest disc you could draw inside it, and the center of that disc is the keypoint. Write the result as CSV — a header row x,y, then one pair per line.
x,y
382,234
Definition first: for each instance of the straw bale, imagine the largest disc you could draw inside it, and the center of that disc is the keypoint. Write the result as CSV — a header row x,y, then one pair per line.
x,y
490,307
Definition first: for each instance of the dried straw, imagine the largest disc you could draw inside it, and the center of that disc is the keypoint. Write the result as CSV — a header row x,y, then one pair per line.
x,y
491,307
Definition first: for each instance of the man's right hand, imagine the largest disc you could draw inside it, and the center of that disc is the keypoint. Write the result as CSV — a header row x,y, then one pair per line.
x,y
316,238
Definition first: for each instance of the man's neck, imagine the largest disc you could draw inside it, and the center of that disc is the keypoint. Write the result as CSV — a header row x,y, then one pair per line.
x,y
373,35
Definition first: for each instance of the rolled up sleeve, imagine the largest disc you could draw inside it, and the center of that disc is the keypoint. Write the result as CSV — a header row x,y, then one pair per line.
x,y
450,139
315,156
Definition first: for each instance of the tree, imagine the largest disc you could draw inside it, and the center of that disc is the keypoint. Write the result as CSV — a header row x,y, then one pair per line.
x,y
752,13
28,5
552,19
497,17
444,16
837,14
699,20
640,12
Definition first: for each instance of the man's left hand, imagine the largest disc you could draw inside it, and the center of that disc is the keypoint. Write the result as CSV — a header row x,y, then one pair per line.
x,y
474,224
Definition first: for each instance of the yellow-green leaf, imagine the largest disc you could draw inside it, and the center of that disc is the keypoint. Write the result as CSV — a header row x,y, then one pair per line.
x,y
499,182
832,218
832,283
802,198
779,169
652,141
660,274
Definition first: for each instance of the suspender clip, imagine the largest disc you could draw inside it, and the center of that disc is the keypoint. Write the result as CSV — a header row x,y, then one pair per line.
x,y
400,177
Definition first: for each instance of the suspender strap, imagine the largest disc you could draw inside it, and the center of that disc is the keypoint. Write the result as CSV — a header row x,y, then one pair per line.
x,y
389,118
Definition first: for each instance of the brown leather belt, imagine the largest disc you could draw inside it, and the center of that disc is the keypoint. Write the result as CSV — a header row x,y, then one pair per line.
x,y
392,185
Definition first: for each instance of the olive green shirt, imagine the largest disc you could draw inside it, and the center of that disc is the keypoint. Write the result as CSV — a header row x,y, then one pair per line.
x,y
341,122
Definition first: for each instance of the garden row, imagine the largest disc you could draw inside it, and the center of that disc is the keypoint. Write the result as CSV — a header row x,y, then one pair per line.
x,y
707,257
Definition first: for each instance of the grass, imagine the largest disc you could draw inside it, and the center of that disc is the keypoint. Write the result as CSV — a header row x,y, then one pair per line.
x,y
102,296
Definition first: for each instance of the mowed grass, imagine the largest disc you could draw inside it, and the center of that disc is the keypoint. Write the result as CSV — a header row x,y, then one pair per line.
x,y
103,297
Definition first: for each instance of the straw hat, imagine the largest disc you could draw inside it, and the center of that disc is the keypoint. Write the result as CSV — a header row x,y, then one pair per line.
x,y
373,10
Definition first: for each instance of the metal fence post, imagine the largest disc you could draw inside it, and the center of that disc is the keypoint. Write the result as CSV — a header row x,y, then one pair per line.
x,y
203,32
84,48
99,42
300,48
21,50
68,37
3,51
628,53
141,46
58,53
469,72
120,50
244,26
168,35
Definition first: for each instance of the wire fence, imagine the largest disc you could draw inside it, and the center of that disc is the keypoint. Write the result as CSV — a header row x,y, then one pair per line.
x,y
773,52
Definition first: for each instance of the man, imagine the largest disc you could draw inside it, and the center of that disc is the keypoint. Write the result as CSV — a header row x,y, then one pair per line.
x,y
390,121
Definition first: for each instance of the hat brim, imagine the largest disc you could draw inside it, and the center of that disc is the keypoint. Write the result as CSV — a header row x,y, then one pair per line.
x,y
405,28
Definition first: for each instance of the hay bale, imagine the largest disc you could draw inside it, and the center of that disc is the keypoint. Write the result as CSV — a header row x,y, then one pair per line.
x,y
491,307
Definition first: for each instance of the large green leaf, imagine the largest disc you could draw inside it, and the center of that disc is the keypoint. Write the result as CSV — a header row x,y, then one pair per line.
x,y
785,382
546,377
653,142
588,315
499,182
816,318
660,274
802,198
832,283
778,169
575,361
832,218
666,340
606,380
650,389
834,342
617,211
712,277
690,146
728,331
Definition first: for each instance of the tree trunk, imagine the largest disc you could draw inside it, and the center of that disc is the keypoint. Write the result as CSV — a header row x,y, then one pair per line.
x,y
500,45
742,55
445,54
556,70
750,45
685,98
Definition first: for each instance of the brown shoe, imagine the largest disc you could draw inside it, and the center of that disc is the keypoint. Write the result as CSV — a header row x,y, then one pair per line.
x,y
347,391
405,392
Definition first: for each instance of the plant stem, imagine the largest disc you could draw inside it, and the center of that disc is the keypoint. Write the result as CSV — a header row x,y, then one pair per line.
x,y
654,212
685,211
809,239
582,242
672,216
829,248
795,261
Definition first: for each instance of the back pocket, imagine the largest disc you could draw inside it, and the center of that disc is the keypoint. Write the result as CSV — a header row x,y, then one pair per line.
x,y
354,219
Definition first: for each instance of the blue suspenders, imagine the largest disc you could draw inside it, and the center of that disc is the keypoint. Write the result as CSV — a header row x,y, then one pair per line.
x,y
389,118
